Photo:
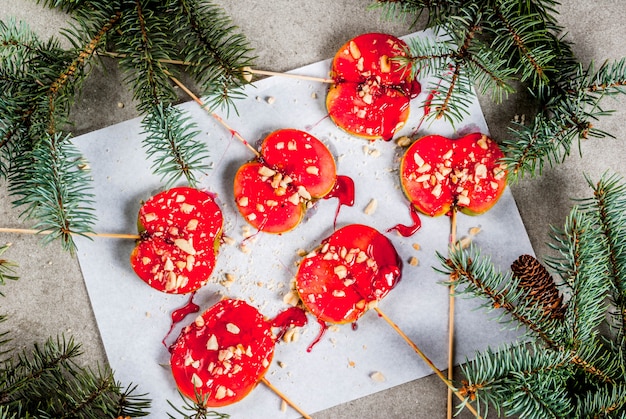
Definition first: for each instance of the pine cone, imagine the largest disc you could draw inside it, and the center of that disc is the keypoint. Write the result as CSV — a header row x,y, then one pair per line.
x,y
539,284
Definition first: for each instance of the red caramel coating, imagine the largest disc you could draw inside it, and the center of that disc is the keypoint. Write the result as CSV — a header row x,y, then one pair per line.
x,y
371,94
180,232
223,354
370,55
302,157
352,268
438,173
272,192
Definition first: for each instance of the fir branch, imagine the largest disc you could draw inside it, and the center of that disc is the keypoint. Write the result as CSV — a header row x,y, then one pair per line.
x,y
55,190
171,142
194,409
498,377
144,44
7,268
47,383
62,80
219,52
607,402
579,263
473,274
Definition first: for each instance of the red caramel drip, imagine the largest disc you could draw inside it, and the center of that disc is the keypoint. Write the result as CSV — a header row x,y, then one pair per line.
x,y
409,230
344,192
179,315
320,335
293,316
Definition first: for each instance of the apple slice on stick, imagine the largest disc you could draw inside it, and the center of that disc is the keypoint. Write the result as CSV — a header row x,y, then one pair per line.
x,y
273,192
222,356
349,273
180,232
373,87
441,176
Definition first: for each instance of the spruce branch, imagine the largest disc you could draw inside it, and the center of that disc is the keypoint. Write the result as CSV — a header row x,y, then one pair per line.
x,y
572,367
7,268
54,186
172,144
220,53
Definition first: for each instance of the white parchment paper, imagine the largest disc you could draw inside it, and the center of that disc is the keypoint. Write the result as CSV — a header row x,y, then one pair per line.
x,y
133,318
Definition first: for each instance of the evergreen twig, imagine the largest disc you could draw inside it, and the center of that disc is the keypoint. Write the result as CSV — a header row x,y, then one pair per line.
x,y
571,367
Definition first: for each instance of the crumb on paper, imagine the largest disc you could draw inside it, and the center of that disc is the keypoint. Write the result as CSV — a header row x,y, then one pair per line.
x,y
283,406
351,364
228,240
377,376
228,280
413,261
281,364
371,207
314,95
416,246
270,100
291,298
403,141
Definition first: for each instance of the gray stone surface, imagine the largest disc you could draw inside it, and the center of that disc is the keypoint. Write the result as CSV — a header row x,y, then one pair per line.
x,y
50,298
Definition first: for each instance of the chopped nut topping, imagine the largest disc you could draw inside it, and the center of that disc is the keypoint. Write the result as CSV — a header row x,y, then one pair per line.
x,y
199,321
354,50
312,170
423,168
187,208
266,171
150,217
185,245
385,64
371,207
196,381
232,328
341,271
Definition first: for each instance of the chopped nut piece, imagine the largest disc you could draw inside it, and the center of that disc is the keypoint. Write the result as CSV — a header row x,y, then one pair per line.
x,y
270,99
474,230
199,321
354,50
266,171
341,271
196,381
150,217
192,224
385,64
185,245
232,328
187,208
312,170
371,207
403,141
413,261
377,376
291,298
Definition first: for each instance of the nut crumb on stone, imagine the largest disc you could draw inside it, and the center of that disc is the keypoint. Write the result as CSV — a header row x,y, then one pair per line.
x,y
413,261
270,99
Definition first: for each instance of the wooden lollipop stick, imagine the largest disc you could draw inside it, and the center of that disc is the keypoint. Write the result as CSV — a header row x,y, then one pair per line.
x,y
108,235
285,398
288,75
451,308
214,115
247,71
428,362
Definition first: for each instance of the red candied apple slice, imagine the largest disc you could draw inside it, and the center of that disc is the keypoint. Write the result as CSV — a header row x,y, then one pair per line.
x,y
223,354
438,173
372,90
268,205
378,113
352,269
180,232
302,157
294,168
371,55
